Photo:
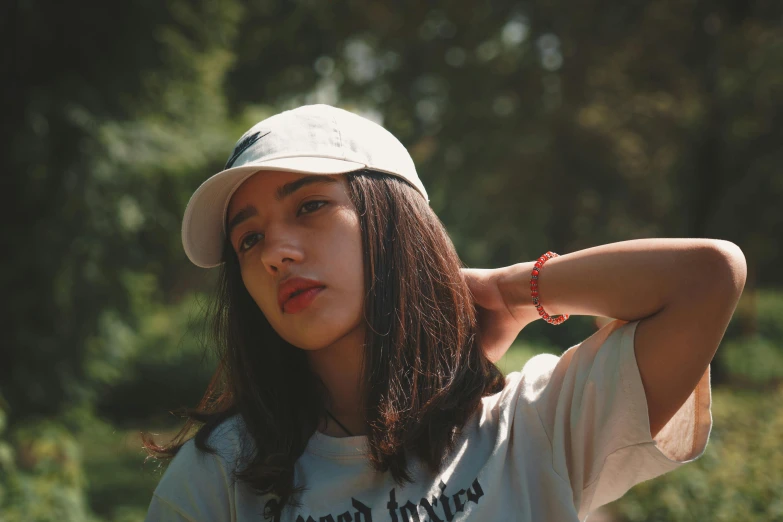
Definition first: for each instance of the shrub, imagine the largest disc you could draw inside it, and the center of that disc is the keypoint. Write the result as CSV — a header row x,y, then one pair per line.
x,y
739,477
41,476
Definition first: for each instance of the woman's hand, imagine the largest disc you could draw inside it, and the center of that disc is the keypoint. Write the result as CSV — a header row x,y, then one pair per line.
x,y
502,313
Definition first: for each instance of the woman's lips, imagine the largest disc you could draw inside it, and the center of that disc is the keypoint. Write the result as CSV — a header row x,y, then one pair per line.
x,y
302,300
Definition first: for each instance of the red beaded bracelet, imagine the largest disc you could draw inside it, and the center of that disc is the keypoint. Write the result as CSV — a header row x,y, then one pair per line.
x,y
534,291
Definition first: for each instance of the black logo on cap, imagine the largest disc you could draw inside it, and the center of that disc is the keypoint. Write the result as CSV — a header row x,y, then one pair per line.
x,y
242,146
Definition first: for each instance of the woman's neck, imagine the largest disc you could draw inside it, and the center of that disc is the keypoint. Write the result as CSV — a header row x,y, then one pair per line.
x,y
339,367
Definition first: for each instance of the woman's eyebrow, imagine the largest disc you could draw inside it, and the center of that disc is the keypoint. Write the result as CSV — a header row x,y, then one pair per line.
x,y
289,188
282,192
244,214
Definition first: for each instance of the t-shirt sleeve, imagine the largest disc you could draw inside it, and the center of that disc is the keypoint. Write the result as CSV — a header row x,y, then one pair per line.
x,y
196,486
592,405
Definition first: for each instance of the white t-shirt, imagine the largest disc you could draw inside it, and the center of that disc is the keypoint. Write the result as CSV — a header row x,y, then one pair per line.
x,y
566,435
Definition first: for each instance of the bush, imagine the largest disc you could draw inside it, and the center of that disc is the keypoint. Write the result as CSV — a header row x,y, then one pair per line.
x,y
41,475
158,364
751,354
739,477
752,362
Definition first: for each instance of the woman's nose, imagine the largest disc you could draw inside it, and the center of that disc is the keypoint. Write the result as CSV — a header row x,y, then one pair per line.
x,y
281,248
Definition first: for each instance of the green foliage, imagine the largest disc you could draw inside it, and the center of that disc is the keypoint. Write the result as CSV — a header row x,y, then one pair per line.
x,y
751,354
77,469
120,482
754,361
161,364
42,477
767,312
99,154
739,477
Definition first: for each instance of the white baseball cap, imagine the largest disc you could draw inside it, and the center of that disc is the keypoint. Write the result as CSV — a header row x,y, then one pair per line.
x,y
312,139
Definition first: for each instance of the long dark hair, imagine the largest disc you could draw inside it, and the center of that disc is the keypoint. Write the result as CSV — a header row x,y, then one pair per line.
x,y
424,370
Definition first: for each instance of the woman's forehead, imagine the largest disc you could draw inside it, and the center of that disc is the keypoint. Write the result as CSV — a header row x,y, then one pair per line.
x,y
276,186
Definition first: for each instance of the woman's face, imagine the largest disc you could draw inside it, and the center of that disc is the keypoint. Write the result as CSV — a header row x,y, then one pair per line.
x,y
285,225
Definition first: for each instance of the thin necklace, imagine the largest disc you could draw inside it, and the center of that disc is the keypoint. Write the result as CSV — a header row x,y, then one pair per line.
x,y
339,423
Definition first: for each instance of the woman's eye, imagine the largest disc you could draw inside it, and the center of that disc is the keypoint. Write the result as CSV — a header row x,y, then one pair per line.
x,y
248,241
310,206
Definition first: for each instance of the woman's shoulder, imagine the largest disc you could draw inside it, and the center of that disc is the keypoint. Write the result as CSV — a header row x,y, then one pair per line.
x,y
215,464
526,382
229,438
197,482
224,444
544,379
548,370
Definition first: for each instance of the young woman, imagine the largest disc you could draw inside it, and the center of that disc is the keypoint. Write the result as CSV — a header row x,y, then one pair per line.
x,y
357,381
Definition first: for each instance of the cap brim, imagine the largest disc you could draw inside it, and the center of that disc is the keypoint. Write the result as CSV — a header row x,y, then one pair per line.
x,y
203,233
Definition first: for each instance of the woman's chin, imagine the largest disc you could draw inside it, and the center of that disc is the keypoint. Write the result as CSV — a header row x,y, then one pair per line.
x,y
312,337
320,335
310,346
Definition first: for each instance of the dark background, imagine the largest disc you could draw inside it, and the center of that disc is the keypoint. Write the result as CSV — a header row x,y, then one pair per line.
x,y
539,125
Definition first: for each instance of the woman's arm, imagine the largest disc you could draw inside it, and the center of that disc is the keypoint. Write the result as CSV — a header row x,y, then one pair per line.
x,y
683,291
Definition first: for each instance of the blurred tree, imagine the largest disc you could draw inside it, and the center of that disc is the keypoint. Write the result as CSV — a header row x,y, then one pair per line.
x,y
110,105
